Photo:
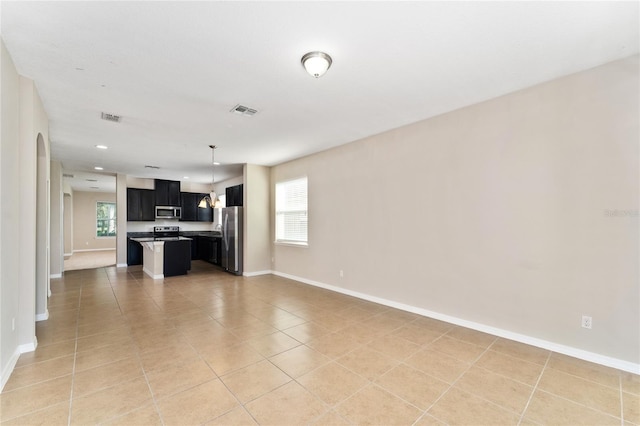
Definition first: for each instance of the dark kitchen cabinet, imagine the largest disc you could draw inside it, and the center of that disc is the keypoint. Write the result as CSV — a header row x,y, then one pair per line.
x,y
234,196
189,207
134,252
177,257
167,192
209,249
141,205
190,210
195,254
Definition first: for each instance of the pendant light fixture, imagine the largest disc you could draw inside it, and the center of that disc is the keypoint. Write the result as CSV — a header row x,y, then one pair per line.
x,y
316,63
211,200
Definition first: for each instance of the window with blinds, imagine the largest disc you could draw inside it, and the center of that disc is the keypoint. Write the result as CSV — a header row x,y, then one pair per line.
x,y
105,219
291,211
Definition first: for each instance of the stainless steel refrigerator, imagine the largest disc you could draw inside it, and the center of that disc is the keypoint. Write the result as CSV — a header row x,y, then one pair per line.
x,y
231,256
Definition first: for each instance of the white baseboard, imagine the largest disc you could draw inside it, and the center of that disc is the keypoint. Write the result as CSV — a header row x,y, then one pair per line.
x,y
55,276
256,273
42,317
68,254
121,265
8,369
155,277
522,338
102,249
29,347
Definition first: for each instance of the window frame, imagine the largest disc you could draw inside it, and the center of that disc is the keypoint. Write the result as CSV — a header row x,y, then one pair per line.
x,y
114,219
277,214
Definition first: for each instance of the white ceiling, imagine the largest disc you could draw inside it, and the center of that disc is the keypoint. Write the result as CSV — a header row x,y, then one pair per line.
x,y
89,181
174,70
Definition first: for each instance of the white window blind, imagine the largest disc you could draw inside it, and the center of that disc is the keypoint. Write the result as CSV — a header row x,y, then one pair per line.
x,y
291,211
105,219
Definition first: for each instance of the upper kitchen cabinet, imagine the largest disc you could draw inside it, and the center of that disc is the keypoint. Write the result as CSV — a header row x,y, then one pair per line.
x,y
234,196
167,192
190,210
141,205
189,207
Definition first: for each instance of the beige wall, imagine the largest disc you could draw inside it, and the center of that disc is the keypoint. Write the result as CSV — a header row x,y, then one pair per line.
x,y
57,222
518,214
68,224
34,222
257,244
84,221
121,220
9,214
23,122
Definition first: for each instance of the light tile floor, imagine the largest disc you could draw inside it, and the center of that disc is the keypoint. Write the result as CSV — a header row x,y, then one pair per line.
x,y
90,259
212,348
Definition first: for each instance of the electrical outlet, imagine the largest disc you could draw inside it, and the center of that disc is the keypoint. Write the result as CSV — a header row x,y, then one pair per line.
x,y
341,273
586,321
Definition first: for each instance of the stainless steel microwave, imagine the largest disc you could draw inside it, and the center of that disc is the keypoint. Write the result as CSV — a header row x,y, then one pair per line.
x,y
168,212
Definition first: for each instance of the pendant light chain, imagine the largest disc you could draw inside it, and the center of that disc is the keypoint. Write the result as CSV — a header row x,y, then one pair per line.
x,y
211,199
213,166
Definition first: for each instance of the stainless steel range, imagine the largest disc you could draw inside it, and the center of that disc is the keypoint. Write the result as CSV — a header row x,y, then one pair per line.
x,y
166,233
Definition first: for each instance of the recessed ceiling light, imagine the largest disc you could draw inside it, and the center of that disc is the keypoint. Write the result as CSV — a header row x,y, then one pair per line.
x,y
185,177
102,146
98,168
216,163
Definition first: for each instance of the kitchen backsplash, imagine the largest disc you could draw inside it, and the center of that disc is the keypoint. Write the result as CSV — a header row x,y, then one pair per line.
x,y
184,226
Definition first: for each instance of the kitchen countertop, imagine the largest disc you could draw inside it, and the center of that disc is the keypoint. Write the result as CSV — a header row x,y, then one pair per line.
x,y
186,234
201,234
159,240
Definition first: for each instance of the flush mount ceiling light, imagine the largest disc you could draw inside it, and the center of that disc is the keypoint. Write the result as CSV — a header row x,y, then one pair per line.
x,y
211,200
316,63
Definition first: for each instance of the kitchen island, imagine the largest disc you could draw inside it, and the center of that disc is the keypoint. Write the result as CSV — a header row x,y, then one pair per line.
x,y
165,257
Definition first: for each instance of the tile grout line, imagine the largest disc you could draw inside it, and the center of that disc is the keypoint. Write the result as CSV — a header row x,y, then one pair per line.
x,y
471,364
218,377
137,355
75,357
621,400
535,387
582,404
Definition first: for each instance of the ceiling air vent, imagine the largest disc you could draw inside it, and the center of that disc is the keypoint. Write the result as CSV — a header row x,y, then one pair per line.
x,y
91,180
243,110
68,175
151,167
111,117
